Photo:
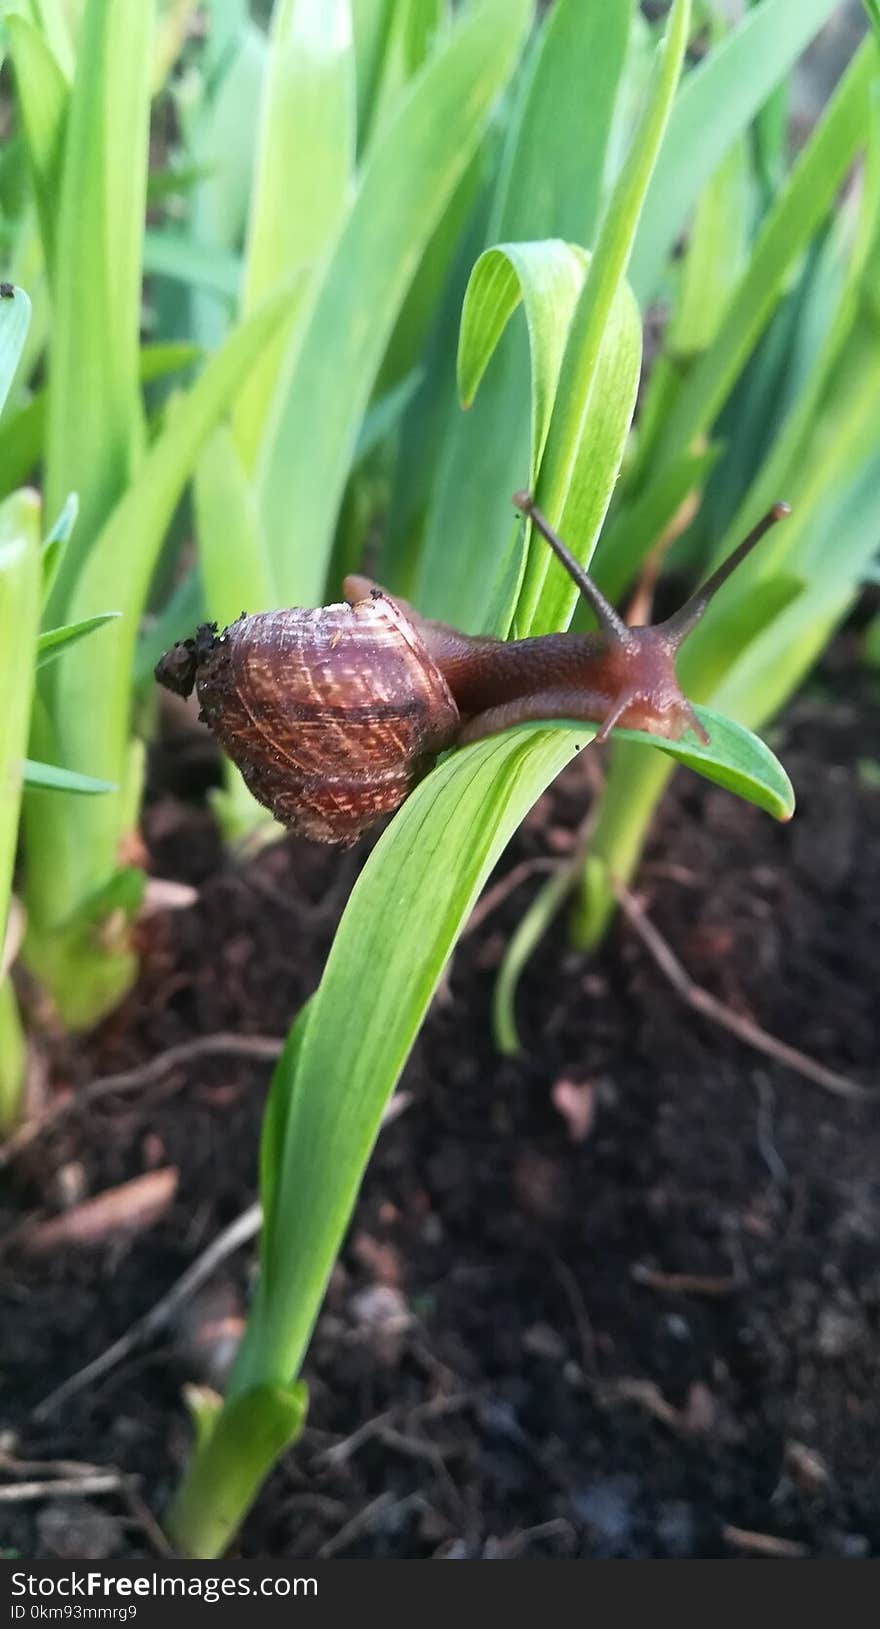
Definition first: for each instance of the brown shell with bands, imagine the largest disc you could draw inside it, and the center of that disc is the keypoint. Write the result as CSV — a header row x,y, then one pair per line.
x,y
331,715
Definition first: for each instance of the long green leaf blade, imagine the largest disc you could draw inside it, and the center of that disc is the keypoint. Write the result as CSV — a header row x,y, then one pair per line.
x,y
383,969
15,316
302,172
411,172
717,102
19,620
549,188
94,425
400,926
798,213
567,488
91,697
43,92
52,778
51,643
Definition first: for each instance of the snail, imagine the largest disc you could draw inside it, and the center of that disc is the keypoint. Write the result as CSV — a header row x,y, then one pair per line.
x,y
333,715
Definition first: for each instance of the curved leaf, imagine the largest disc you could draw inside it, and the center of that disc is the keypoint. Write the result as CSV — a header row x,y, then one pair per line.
x,y
52,778
547,278
51,643
15,316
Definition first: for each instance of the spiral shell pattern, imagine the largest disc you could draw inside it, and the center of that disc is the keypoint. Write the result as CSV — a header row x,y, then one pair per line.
x,y
331,715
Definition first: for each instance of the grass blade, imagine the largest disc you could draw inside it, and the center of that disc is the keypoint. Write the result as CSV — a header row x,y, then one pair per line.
x,y
19,619
94,429
381,974
15,316
178,255
383,968
78,848
549,188
799,211
410,174
55,640
52,778
43,93
573,492
717,103
303,172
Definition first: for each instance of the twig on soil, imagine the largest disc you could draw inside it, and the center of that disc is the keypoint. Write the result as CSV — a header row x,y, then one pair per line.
x,y
764,1543
519,1543
495,896
239,1232
231,1239
367,1519
62,1487
70,1477
142,1516
580,1314
263,1047
736,1024
340,1452
683,1283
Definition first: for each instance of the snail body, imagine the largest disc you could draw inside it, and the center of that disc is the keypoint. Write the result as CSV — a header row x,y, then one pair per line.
x,y
333,715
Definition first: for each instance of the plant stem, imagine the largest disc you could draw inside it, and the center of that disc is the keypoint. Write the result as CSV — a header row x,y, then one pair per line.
x,y
235,1450
12,1058
635,782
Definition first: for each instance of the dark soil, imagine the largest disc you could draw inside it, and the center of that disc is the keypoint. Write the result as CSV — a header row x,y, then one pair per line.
x,y
626,1345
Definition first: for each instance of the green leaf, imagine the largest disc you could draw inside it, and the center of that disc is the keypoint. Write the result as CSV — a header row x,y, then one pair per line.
x,y
236,1454
91,696
524,940
51,643
411,172
399,928
50,777
303,173
94,430
734,758
635,530
370,19
547,278
549,187
221,134
15,316
717,102
57,21
182,613
233,556
21,435
573,491
43,92
384,413
800,209
176,254
56,542
236,576
19,620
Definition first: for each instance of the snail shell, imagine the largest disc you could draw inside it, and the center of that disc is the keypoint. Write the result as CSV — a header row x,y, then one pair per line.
x,y
332,715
